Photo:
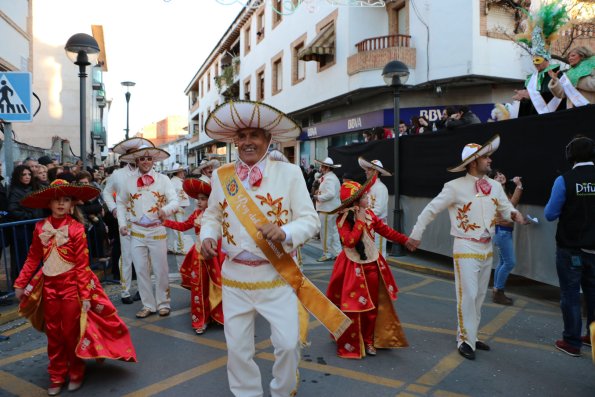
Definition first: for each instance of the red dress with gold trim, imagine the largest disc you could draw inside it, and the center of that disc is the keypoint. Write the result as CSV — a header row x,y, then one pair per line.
x,y
53,296
202,277
365,289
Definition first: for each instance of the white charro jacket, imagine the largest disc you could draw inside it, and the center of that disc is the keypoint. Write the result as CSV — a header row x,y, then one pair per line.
x,y
134,202
116,182
328,197
471,213
282,197
183,200
378,199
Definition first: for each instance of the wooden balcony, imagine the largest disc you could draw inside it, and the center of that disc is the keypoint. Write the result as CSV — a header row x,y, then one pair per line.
x,y
375,52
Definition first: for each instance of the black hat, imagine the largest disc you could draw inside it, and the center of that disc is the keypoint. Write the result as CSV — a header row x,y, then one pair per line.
x,y
44,160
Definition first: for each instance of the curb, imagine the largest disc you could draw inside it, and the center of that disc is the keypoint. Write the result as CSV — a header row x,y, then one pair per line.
x,y
449,274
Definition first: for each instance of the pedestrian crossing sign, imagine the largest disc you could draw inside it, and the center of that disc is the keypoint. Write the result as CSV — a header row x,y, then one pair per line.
x,y
15,96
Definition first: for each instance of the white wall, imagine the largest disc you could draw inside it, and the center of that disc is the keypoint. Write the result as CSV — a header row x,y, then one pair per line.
x,y
14,47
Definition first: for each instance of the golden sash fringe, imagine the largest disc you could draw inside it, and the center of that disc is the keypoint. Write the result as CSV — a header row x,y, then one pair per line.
x,y
251,217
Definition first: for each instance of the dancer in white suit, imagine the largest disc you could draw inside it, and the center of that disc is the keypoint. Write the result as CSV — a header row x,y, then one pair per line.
x,y
377,196
177,242
327,199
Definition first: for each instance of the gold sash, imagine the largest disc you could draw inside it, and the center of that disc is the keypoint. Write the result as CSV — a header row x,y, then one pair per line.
x,y
250,216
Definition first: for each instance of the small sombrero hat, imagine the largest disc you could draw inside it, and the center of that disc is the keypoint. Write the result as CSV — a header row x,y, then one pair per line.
x,y
328,162
176,167
352,191
206,163
59,188
473,151
129,145
195,186
151,151
374,164
230,117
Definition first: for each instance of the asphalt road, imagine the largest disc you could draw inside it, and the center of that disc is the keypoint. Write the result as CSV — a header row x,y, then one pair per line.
x,y
173,361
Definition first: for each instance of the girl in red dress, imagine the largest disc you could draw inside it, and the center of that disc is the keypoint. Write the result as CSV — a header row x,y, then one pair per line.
x,y
362,284
201,277
63,297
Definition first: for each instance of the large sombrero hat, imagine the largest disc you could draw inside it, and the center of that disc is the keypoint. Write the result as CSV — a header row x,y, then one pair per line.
x,y
175,168
328,162
59,188
206,163
129,145
374,164
154,152
195,186
352,191
473,151
230,117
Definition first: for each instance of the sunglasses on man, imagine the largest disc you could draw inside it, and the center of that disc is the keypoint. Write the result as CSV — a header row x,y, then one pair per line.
x,y
146,158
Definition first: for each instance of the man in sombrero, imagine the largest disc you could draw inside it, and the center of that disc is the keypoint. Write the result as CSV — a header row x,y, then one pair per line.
x,y
262,211
377,196
115,183
205,169
146,200
472,202
327,199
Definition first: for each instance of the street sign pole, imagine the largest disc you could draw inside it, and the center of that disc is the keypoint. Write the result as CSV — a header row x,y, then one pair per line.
x,y
8,158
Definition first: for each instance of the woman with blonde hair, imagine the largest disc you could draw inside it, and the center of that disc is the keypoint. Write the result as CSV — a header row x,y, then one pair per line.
x,y
578,83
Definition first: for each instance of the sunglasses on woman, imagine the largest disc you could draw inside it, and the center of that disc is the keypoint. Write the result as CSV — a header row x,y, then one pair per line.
x,y
147,158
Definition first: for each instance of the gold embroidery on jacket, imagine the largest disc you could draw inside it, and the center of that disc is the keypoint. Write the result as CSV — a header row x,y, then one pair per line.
x,y
225,223
276,211
464,218
161,200
130,204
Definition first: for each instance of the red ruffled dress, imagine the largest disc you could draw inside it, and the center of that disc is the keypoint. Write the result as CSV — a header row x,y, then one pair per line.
x,y
365,289
53,297
202,277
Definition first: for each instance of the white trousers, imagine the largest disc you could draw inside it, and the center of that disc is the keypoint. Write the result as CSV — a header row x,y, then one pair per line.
x,y
248,291
178,242
329,235
380,242
472,265
149,253
125,266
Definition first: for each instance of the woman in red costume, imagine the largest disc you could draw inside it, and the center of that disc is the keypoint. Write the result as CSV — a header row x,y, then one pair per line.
x,y
201,277
362,284
63,297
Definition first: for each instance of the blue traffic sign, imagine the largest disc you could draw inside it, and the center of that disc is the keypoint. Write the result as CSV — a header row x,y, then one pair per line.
x,y
15,96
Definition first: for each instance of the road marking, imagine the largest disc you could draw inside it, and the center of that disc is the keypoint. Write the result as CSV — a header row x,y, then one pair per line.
x,y
429,329
416,285
418,389
346,373
441,370
502,318
17,329
434,297
190,337
19,387
444,393
175,380
155,318
521,343
22,356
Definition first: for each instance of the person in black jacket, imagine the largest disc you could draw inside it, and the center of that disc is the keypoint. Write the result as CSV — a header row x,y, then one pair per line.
x,y
21,184
93,215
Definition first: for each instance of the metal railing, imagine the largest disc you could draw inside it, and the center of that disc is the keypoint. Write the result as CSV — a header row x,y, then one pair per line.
x,y
15,240
382,42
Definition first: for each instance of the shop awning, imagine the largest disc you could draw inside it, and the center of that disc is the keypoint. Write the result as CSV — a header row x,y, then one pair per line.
x,y
322,45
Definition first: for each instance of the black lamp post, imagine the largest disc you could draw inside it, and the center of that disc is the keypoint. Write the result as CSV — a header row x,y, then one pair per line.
x,y
127,84
83,50
395,75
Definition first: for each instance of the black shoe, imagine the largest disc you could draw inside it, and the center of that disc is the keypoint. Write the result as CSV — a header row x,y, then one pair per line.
x,y
479,345
3,338
466,351
136,296
127,300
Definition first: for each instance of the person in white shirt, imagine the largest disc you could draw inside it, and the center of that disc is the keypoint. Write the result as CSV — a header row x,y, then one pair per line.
x,y
377,196
146,200
115,183
177,242
327,199
472,202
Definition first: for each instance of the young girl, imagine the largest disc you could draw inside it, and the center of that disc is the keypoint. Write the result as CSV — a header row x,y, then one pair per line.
x,y
362,284
64,298
201,277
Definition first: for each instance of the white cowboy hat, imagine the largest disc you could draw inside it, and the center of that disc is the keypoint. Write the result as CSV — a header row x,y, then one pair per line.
x,y
176,167
230,117
328,162
473,151
129,145
206,163
374,164
156,153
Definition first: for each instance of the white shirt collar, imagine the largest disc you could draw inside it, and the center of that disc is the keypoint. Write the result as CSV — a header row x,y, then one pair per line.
x,y
582,163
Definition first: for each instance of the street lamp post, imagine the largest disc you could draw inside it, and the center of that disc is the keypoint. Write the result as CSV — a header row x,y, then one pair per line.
x,y
83,50
395,75
127,84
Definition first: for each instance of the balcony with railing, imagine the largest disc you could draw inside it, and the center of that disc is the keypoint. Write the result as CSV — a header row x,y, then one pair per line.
x,y
98,132
375,52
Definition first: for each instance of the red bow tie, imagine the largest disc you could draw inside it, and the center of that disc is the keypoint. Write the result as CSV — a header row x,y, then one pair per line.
x,y
145,180
483,186
255,174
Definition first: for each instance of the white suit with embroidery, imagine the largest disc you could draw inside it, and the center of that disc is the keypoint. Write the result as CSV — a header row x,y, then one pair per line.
x,y
378,203
472,218
115,183
148,237
179,242
327,199
247,290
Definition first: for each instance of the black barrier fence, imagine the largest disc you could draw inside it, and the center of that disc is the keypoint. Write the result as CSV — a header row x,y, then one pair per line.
x,y
15,240
532,147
